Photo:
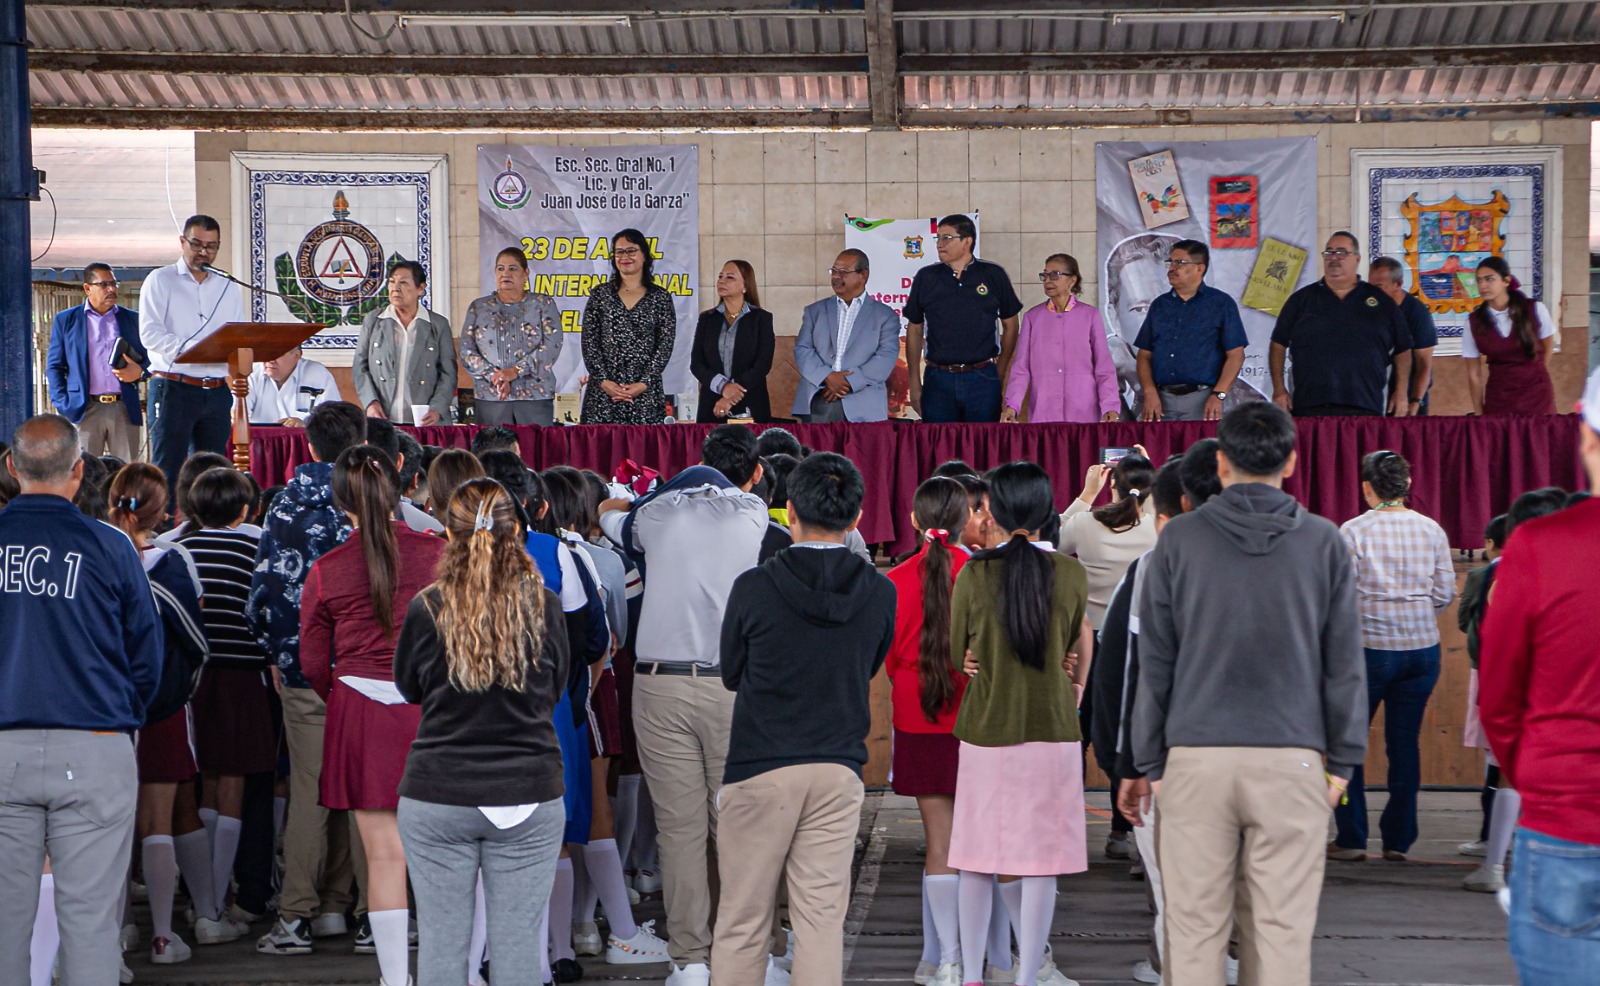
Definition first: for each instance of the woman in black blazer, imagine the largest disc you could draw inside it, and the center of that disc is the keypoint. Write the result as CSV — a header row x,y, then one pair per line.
x,y
732,351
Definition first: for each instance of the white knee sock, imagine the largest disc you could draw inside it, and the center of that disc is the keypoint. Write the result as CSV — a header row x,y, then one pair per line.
x,y
930,933
224,847
160,880
644,834
1038,900
46,933
208,819
1502,825
389,934
975,899
561,912
280,810
625,813
604,864
1003,922
943,896
480,932
194,862
584,896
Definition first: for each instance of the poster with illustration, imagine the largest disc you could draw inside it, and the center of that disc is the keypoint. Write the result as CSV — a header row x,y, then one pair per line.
x,y
1235,212
1157,187
1273,278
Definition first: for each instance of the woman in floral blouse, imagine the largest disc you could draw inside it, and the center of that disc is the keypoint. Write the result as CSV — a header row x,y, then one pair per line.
x,y
629,326
509,344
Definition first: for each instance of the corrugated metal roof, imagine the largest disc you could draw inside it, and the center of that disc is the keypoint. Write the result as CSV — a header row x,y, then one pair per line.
x,y
238,48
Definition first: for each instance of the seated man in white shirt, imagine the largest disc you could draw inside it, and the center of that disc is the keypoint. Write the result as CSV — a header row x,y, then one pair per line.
x,y
284,390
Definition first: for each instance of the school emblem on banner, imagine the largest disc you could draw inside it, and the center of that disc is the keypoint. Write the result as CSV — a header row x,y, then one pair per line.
x,y
336,275
1444,244
510,190
913,248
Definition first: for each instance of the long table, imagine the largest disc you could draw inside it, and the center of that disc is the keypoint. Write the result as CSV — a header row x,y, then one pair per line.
x,y
1465,470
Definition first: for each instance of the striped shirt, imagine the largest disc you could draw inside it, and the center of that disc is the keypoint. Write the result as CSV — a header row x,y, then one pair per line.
x,y
1403,577
225,559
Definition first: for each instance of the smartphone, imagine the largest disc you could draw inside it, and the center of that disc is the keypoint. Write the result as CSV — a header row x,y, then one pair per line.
x,y
1112,456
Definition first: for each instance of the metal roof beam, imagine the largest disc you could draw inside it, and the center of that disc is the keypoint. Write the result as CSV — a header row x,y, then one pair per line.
x,y
1214,116
446,66
883,75
1311,60
969,9
470,8
139,118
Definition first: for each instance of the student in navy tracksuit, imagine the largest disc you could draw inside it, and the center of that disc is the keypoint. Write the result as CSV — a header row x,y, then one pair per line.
x,y
80,660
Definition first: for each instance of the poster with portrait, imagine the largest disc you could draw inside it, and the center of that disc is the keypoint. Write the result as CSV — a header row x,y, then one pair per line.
x,y
1441,212
897,249
1276,178
562,205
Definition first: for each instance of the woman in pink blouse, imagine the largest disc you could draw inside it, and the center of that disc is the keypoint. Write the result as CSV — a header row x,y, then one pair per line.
x,y
1062,356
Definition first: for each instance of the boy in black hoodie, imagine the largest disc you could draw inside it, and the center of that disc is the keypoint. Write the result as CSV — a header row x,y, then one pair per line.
x,y
802,636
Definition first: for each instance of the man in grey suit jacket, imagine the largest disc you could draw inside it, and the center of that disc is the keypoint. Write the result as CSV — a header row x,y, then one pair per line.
x,y
405,334
847,347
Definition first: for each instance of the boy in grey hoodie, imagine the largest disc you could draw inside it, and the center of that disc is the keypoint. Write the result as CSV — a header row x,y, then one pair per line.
x,y
1251,675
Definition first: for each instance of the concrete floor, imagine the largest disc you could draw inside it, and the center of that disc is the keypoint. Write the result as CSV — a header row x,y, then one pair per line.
x,y
1406,924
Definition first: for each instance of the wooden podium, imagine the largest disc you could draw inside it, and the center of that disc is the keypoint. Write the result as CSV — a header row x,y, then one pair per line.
x,y
240,344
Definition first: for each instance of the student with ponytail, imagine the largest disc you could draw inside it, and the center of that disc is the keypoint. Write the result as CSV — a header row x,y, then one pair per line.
x,y
926,694
482,652
1514,335
350,611
1019,610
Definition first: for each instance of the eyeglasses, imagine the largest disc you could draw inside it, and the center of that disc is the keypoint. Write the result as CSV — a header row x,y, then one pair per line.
x,y
200,246
1340,254
947,237
630,252
1054,275
1184,263
99,284
842,271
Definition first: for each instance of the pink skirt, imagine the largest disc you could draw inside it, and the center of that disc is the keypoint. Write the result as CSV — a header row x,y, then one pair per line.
x,y
1019,810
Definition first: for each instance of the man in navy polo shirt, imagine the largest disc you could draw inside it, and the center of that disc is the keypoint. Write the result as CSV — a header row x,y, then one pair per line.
x,y
1191,345
961,300
1344,335
1388,275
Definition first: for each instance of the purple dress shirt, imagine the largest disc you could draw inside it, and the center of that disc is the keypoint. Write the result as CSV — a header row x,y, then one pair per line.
x,y
1064,359
102,342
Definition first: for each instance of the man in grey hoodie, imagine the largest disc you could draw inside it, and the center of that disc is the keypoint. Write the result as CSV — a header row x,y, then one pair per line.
x,y
1251,676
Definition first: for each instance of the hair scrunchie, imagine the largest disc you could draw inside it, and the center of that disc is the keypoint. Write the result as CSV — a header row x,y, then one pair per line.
x,y
935,534
128,503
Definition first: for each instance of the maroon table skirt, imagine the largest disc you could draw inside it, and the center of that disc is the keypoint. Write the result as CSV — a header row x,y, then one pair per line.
x,y
1465,470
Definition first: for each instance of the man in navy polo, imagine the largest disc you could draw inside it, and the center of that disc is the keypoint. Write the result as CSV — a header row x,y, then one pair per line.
x,y
1191,345
962,302
1344,336
1388,275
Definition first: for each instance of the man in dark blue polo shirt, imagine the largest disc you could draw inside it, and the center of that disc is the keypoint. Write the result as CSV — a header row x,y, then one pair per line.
x,y
1191,345
961,300
1388,275
1344,335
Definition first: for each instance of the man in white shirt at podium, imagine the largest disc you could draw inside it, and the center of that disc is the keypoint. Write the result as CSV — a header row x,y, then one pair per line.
x,y
284,390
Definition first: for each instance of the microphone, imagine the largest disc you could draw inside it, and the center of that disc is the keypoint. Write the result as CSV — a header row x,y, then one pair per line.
x,y
210,269
288,301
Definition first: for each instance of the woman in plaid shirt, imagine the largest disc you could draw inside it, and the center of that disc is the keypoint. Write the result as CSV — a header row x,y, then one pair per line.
x,y
1403,578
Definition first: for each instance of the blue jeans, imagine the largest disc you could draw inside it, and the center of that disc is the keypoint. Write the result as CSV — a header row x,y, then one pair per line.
x,y
1555,911
185,419
956,397
1401,680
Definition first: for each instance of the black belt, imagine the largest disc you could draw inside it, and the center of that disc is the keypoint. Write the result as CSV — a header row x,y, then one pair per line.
x,y
676,669
1182,389
962,367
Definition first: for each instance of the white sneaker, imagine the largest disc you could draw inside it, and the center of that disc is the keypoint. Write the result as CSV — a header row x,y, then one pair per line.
x,y
1144,972
948,974
209,932
1485,879
169,951
1049,975
633,896
647,882
693,974
128,937
586,939
1231,976
329,926
925,973
644,947
1477,848
124,974
775,975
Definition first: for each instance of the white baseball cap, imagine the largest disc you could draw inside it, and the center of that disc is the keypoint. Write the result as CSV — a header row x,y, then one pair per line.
x,y
1589,405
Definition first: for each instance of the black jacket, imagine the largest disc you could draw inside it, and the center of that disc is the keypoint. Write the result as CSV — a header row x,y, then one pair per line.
x,y
752,360
1112,679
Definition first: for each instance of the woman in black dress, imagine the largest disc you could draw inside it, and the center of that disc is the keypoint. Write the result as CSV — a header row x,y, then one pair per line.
x,y
628,329
732,352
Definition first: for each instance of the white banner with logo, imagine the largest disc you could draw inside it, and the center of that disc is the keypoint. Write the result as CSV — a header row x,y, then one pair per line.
x,y
1253,203
323,229
897,249
562,205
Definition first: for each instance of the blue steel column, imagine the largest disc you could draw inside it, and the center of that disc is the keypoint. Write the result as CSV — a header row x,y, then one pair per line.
x,y
17,189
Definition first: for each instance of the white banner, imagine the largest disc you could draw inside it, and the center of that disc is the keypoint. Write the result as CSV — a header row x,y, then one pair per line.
x,y
562,205
1253,203
897,249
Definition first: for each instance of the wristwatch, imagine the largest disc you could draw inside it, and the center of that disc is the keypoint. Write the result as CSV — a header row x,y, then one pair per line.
x,y
1220,395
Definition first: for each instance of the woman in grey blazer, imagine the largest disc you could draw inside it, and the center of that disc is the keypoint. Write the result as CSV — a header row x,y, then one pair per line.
x,y
406,333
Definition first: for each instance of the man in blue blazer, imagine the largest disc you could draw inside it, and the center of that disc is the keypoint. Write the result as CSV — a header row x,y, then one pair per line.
x,y
103,402
847,347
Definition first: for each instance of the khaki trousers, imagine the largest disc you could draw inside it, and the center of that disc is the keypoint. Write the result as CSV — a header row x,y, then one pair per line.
x,y
682,724
106,430
321,849
1254,815
798,823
